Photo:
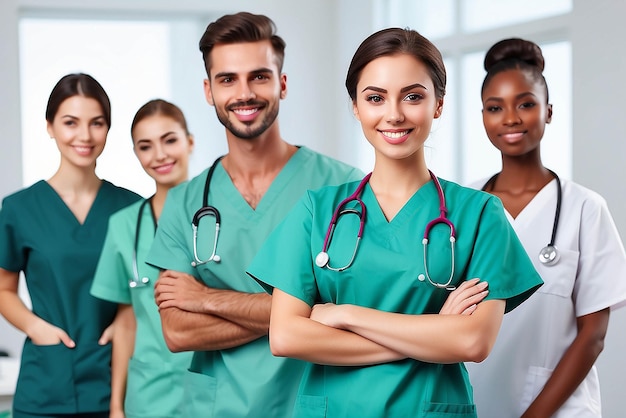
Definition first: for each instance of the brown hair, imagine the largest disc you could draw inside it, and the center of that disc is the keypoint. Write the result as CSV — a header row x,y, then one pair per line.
x,y
159,107
394,41
239,28
78,85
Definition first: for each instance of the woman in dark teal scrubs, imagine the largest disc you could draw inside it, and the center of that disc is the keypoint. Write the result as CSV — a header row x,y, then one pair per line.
x,y
53,232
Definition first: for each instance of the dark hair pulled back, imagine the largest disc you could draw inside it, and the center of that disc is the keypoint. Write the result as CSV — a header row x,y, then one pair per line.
x,y
515,54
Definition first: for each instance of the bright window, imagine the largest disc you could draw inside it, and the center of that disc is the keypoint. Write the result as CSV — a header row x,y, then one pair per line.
x,y
131,61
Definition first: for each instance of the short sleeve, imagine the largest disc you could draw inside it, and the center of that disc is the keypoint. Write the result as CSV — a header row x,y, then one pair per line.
x,y
601,276
288,246
112,276
499,258
169,250
11,250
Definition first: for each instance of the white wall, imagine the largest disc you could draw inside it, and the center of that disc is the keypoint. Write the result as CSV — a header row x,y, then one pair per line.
x,y
321,35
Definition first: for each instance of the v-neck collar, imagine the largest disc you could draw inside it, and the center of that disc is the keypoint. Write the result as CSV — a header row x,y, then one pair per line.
x,y
536,205
284,176
61,203
416,202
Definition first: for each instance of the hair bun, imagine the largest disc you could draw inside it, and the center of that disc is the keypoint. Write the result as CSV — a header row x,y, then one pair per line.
x,y
514,49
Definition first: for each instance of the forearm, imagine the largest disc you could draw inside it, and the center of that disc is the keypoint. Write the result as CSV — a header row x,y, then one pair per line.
x,y
573,367
308,340
430,338
123,346
248,310
16,313
190,331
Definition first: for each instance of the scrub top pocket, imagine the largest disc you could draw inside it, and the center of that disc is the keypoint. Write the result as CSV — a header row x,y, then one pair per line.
x,y
559,279
308,406
199,397
46,379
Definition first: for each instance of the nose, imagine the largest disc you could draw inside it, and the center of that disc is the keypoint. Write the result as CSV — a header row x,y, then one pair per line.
x,y
394,114
245,93
159,151
511,117
84,132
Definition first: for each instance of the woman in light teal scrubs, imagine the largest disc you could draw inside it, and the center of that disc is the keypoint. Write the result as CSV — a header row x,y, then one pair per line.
x,y
372,325
53,232
150,384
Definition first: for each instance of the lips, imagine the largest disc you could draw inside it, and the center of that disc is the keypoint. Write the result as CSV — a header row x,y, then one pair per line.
x,y
164,169
246,112
396,136
84,151
512,136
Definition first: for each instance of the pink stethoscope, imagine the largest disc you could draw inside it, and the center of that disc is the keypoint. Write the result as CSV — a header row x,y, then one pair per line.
x,y
322,259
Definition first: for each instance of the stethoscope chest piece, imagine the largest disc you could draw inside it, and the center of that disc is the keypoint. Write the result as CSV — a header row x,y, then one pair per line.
x,y
549,255
322,258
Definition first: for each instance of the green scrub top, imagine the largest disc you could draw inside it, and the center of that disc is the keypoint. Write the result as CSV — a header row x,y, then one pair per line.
x,y
40,236
246,380
384,276
154,386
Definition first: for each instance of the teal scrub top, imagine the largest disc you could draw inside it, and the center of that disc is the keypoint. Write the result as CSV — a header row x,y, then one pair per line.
x,y
384,276
154,386
246,380
40,236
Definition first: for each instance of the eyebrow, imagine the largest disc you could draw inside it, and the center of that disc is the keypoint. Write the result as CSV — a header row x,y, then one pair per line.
x,y
519,96
230,74
402,90
165,135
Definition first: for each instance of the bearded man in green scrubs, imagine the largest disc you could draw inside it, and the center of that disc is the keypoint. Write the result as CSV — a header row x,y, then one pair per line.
x,y
214,308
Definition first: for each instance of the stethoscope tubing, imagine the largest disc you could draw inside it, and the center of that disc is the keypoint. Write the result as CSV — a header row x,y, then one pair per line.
x,y
322,259
548,255
136,281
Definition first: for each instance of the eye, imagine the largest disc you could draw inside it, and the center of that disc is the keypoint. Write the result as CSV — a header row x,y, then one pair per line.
x,y
261,77
414,97
98,123
493,109
374,98
69,122
527,105
144,147
171,140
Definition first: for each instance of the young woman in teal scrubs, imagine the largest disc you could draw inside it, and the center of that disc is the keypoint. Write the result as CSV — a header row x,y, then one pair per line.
x,y
150,384
365,313
53,232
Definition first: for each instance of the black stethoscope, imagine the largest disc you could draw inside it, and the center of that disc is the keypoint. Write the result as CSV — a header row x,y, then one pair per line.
x,y
549,255
135,281
322,259
205,210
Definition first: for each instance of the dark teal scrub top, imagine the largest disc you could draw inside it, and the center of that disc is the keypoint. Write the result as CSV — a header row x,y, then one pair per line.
x,y
385,276
40,236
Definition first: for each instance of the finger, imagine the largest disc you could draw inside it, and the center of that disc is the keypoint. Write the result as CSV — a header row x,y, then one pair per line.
x,y
470,310
65,339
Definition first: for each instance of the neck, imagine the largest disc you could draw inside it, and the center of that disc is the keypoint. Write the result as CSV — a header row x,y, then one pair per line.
x,y
73,179
399,177
519,175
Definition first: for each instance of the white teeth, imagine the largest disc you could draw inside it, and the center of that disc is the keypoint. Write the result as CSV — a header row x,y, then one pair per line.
x,y
395,135
244,112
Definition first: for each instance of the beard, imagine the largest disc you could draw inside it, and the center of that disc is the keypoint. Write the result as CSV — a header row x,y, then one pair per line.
x,y
250,130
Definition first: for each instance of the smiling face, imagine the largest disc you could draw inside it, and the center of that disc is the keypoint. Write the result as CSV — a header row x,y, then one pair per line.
x,y
245,87
396,104
80,131
515,112
163,147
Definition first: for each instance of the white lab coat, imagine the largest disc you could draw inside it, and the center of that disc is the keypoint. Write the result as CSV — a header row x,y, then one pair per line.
x,y
590,276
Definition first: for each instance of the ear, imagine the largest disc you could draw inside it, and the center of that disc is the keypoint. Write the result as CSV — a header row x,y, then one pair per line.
x,y
439,108
283,86
355,110
549,116
208,93
50,130
191,140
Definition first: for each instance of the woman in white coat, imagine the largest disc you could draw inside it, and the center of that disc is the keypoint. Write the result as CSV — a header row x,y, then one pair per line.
x,y
542,364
